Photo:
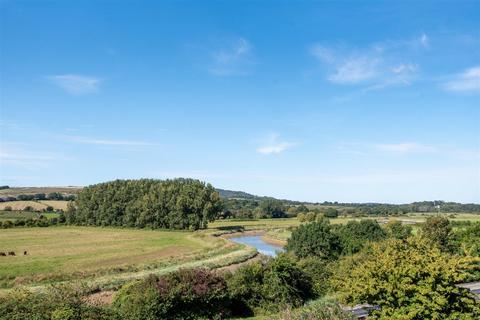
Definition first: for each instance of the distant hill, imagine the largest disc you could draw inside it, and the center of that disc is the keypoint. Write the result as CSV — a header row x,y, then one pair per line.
x,y
16,191
241,195
229,194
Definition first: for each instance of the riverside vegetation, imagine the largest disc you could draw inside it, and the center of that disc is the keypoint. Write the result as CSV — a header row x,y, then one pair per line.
x,y
409,273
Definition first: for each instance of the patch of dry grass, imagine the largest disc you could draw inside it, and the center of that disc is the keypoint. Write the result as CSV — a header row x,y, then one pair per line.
x,y
36,205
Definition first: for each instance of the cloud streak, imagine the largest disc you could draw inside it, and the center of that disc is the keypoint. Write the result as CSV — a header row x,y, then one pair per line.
x,y
76,84
29,159
467,81
107,142
232,60
405,147
273,146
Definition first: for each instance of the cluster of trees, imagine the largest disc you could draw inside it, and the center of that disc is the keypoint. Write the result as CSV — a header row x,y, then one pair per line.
x,y
40,196
254,209
147,203
408,276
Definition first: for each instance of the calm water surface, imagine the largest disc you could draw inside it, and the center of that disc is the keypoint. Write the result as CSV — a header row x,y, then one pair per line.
x,y
257,242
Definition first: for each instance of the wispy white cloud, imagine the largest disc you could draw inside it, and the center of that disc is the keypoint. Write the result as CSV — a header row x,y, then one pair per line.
x,y
467,81
377,66
232,59
107,142
355,70
424,40
405,147
274,146
76,84
27,158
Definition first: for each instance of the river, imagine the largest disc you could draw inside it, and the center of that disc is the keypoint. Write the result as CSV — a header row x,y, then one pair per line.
x,y
258,243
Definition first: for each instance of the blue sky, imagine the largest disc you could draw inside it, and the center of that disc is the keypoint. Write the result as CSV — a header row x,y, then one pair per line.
x,y
352,101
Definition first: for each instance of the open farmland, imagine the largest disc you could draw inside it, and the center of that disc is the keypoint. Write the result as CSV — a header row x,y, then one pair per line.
x,y
38,205
412,218
111,256
16,191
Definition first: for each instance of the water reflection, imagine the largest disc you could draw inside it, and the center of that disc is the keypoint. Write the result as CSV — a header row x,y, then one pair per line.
x,y
258,243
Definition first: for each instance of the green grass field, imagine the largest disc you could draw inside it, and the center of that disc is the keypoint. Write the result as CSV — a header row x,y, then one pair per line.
x,y
106,255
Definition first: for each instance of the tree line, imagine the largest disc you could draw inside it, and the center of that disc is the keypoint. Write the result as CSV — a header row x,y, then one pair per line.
x,y
146,203
255,208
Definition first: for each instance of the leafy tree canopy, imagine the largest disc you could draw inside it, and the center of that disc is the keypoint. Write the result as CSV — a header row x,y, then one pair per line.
x,y
314,239
171,204
409,279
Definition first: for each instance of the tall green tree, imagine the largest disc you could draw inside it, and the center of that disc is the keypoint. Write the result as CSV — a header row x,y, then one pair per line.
x,y
355,234
409,279
272,208
438,231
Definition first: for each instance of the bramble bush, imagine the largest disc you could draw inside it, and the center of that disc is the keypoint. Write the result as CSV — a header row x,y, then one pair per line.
x,y
184,294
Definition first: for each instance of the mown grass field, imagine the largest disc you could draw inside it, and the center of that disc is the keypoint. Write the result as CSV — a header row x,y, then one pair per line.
x,y
106,255
36,205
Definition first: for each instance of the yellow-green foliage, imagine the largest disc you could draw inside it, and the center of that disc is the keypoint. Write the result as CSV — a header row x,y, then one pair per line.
x,y
409,280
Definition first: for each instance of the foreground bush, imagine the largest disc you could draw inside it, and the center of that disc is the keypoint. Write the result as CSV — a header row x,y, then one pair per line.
x,y
408,279
271,287
185,294
56,303
317,310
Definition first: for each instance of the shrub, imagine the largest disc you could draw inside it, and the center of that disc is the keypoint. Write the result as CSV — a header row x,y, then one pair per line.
x,y
331,213
7,208
28,208
57,302
319,272
310,216
301,217
397,230
185,294
272,286
317,310
314,239
7,224
285,284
